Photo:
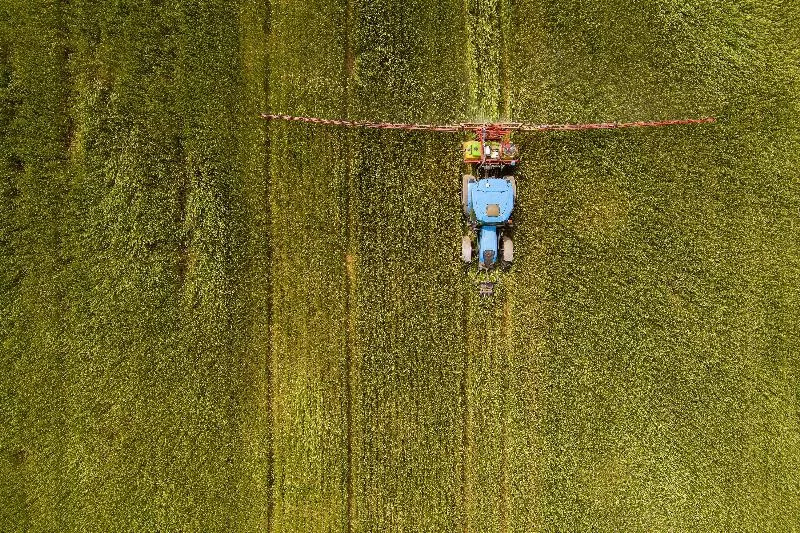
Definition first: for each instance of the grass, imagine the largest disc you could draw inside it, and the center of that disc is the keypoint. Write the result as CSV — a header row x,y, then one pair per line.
x,y
212,323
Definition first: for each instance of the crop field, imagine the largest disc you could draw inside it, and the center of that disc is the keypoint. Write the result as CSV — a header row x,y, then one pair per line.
x,y
214,323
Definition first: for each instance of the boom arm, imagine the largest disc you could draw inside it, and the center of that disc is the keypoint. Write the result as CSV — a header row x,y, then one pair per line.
x,y
498,127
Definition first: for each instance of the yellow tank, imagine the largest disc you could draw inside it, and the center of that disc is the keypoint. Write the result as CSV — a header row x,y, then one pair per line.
x,y
472,150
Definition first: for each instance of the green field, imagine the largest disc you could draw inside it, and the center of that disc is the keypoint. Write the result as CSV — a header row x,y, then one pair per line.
x,y
209,322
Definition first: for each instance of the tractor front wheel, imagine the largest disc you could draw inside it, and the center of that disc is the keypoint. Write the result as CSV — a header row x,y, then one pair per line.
x,y
508,249
465,181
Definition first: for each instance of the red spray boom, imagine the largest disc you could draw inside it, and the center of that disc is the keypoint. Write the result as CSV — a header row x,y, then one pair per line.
x,y
499,127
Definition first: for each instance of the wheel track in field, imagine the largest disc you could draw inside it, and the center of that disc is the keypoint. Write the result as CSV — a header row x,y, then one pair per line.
x,y
499,87
267,30
350,266
465,420
504,22
464,494
270,378
507,345
256,27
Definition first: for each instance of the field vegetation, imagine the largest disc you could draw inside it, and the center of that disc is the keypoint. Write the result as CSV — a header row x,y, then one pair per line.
x,y
210,322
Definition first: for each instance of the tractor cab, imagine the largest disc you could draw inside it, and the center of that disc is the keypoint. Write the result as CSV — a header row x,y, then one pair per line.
x,y
492,200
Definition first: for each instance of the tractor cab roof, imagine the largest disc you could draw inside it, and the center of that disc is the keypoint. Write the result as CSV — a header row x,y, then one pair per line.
x,y
492,200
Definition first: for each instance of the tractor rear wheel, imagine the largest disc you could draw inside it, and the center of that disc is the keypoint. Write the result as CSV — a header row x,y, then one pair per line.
x,y
466,179
466,249
508,249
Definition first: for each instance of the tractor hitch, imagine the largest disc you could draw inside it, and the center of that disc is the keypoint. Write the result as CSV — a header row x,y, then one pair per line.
x,y
486,289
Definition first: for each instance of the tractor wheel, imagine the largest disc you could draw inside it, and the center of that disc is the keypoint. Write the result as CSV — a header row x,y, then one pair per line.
x,y
508,249
513,183
466,249
465,181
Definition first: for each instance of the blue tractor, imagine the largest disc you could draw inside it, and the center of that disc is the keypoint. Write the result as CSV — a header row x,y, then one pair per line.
x,y
488,203
488,200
